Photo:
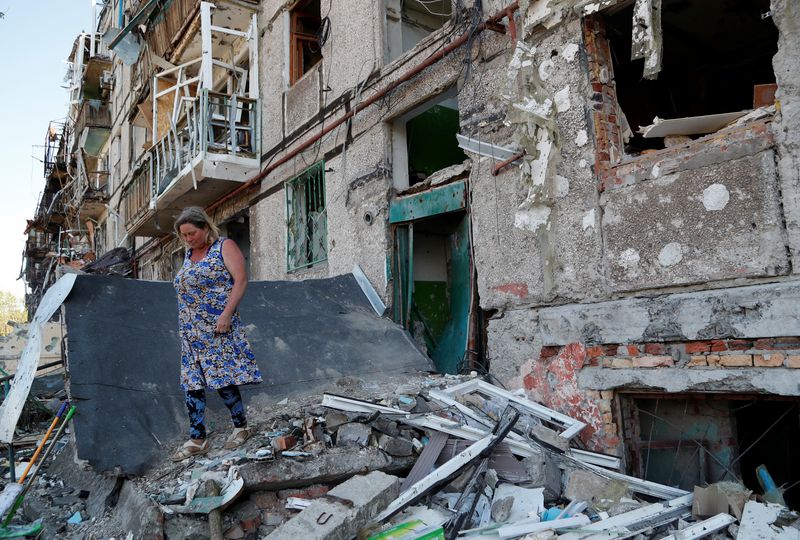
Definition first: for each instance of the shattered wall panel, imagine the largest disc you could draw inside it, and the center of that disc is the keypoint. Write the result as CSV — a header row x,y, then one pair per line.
x,y
698,225
124,356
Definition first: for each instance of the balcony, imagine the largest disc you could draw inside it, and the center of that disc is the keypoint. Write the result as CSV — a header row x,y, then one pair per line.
x,y
93,126
215,149
56,153
90,193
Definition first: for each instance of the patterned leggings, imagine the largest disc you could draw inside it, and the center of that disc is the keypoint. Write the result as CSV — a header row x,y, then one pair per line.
x,y
196,405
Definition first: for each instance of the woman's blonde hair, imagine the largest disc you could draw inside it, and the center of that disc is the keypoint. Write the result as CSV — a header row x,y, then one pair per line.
x,y
194,215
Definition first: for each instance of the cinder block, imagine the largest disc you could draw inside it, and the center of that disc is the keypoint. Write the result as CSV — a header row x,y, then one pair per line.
x,y
329,519
353,434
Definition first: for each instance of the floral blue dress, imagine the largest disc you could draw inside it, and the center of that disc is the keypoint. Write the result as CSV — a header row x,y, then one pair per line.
x,y
208,359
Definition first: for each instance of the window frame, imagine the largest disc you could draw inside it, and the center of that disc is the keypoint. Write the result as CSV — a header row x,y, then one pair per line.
x,y
297,39
315,174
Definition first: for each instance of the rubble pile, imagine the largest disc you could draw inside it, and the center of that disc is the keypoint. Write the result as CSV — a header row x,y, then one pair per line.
x,y
439,457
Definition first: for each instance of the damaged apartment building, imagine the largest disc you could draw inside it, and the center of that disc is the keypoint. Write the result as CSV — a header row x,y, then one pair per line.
x,y
597,201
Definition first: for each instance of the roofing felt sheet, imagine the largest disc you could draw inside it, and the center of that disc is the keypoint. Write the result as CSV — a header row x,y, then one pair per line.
x,y
123,356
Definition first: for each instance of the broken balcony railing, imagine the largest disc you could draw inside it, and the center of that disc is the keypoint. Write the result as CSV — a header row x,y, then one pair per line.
x,y
214,125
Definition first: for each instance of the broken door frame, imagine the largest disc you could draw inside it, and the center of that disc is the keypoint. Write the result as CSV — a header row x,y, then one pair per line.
x,y
403,212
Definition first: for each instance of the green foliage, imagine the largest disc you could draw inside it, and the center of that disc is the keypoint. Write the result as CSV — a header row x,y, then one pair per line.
x,y
12,309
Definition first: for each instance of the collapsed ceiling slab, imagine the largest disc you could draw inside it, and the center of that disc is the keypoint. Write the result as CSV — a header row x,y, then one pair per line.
x,y
124,354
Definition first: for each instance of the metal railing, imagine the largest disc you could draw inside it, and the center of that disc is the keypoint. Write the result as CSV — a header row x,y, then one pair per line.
x,y
306,219
136,197
56,147
213,123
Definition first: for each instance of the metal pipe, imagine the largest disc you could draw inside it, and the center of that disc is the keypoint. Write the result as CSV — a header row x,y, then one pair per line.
x,y
506,12
506,162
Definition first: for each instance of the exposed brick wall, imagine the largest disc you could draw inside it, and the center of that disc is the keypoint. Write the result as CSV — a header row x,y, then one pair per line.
x,y
553,382
606,116
552,379
775,352
607,134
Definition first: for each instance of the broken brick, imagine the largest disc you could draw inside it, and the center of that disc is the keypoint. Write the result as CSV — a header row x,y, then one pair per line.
x,y
621,362
697,347
655,348
718,345
736,360
284,442
653,361
768,359
699,360
793,361
548,352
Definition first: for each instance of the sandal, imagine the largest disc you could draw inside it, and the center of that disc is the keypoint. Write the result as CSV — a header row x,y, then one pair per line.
x,y
237,438
189,449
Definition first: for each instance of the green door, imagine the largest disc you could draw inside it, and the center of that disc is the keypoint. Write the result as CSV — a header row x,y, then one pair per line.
x,y
433,278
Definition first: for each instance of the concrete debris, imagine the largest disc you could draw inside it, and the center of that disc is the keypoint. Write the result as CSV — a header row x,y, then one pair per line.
x,y
485,462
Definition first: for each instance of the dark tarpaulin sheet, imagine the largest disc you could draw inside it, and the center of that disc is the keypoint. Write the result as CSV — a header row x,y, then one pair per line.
x,y
123,356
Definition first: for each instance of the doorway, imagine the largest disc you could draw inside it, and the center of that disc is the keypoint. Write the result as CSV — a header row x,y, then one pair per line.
x,y
433,278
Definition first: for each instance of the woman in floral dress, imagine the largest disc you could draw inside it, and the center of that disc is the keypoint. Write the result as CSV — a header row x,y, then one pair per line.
x,y
215,353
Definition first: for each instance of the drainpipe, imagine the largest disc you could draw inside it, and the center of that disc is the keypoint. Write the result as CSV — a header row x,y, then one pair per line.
x,y
490,23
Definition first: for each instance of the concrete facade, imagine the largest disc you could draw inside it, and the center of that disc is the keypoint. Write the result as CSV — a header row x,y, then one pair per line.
x,y
590,261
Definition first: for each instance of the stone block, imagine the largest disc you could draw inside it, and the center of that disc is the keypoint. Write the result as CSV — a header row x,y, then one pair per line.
x,y
584,485
653,361
395,446
368,494
334,419
793,361
713,360
736,360
353,434
697,361
769,359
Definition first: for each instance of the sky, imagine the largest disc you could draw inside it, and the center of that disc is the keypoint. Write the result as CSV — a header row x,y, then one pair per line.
x,y
36,37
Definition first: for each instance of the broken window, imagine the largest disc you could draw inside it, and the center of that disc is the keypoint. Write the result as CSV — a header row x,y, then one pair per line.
x,y
695,440
409,21
306,219
715,55
425,142
306,38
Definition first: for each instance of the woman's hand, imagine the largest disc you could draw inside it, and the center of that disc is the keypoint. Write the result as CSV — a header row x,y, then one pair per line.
x,y
223,323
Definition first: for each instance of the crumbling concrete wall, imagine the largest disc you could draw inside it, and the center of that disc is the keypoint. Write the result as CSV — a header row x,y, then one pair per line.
x,y
786,15
579,257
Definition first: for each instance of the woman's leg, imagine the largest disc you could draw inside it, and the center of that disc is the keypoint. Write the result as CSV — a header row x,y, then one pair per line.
x,y
196,405
233,401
